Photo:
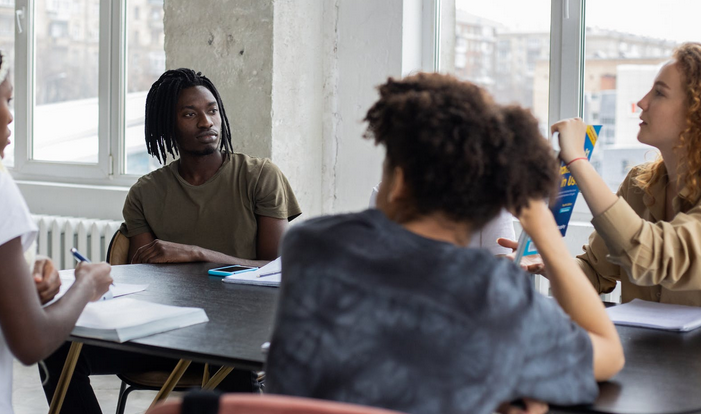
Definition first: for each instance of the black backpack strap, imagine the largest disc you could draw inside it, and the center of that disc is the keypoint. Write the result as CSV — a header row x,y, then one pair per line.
x,y
200,402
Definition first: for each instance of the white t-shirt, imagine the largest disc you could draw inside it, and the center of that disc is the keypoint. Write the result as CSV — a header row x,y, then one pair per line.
x,y
15,221
501,226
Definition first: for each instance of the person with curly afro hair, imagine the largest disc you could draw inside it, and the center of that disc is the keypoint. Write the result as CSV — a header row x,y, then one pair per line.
x,y
390,308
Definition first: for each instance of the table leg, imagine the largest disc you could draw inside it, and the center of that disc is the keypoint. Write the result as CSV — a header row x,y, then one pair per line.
x,y
205,375
172,381
217,378
65,379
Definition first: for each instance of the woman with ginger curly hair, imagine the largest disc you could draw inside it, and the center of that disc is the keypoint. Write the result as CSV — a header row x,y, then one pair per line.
x,y
649,236
390,308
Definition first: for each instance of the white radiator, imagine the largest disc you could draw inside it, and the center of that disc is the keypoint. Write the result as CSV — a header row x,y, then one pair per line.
x,y
58,234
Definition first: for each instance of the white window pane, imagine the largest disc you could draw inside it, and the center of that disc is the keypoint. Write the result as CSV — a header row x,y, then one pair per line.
x,y
506,53
66,83
145,64
7,46
623,56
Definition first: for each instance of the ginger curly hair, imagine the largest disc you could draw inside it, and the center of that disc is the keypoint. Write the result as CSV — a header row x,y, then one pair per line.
x,y
462,154
688,60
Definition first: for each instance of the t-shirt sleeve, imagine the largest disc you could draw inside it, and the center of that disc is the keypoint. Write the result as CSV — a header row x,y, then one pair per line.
x,y
16,220
273,194
133,212
558,357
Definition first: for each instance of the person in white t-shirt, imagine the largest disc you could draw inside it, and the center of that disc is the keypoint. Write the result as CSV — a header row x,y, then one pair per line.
x,y
502,226
29,331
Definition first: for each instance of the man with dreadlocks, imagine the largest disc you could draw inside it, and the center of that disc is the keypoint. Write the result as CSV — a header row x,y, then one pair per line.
x,y
211,204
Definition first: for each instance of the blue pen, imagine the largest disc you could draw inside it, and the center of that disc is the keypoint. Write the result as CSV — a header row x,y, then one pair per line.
x,y
79,257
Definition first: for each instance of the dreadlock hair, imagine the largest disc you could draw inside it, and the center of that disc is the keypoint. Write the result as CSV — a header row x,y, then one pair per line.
x,y
159,125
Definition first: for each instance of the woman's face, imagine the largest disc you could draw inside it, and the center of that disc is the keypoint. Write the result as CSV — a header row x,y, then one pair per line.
x,y
664,110
5,114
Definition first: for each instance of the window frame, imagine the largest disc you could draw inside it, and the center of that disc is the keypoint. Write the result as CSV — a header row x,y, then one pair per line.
x,y
111,164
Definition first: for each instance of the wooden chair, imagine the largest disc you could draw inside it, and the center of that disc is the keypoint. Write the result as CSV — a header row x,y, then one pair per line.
x,y
264,404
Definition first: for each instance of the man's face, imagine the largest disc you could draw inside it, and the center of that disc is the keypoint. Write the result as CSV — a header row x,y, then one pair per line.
x,y
197,122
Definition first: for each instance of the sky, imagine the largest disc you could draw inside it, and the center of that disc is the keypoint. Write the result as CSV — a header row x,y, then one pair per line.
x,y
676,20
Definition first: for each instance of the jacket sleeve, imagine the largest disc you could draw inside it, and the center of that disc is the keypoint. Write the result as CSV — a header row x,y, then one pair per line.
x,y
662,253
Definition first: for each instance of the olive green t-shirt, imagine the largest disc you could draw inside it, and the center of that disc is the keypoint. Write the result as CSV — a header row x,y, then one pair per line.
x,y
220,214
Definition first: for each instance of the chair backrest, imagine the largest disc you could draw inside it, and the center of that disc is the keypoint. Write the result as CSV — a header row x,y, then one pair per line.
x,y
273,404
118,250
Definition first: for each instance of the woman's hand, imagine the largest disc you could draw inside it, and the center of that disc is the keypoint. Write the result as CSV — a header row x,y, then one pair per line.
x,y
532,264
96,276
46,279
571,138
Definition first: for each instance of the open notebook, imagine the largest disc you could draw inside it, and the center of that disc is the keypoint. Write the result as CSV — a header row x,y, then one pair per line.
x,y
268,275
656,315
123,319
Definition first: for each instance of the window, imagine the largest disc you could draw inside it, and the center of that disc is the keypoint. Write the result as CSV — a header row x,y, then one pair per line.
x,y
509,44
622,57
80,100
604,67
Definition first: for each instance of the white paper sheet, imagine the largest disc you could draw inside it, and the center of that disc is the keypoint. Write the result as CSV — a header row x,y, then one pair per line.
x,y
117,290
656,315
268,275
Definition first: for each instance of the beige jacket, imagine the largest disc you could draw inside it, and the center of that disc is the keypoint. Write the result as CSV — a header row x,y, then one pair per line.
x,y
655,260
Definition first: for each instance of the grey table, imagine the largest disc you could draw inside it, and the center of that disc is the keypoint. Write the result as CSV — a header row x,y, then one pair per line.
x,y
240,321
662,372
240,316
662,375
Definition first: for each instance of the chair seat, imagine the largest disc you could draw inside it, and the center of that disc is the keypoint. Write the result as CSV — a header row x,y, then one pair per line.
x,y
155,380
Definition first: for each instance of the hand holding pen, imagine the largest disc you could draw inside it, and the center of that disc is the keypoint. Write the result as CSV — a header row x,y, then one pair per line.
x,y
80,258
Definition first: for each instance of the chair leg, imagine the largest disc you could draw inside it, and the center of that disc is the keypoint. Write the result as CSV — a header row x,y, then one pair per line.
x,y
124,392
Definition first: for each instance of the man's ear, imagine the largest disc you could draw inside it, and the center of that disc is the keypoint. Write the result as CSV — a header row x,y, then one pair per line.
x,y
398,189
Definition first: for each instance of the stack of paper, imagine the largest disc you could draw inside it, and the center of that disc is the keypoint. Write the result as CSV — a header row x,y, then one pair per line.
x,y
122,319
268,275
656,315
116,290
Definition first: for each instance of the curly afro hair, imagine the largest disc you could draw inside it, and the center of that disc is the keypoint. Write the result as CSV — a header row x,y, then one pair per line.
x,y
462,154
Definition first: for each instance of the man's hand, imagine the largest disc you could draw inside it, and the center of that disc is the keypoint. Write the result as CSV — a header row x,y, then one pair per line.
x,y
532,264
159,251
46,279
524,406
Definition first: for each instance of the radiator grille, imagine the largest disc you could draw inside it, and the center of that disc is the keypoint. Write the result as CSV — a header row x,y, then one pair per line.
x,y
58,234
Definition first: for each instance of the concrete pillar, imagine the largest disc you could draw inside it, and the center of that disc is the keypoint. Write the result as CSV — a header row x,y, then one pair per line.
x,y
297,77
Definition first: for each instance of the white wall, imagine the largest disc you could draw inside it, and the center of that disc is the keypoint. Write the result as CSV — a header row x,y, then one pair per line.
x,y
297,97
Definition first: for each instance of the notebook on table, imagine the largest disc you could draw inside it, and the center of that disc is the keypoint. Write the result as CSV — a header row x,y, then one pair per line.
x,y
123,319
655,315
268,275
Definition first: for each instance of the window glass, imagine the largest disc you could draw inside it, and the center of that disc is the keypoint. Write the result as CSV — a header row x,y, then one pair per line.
x,y
623,56
67,35
7,46
506,53
145,63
